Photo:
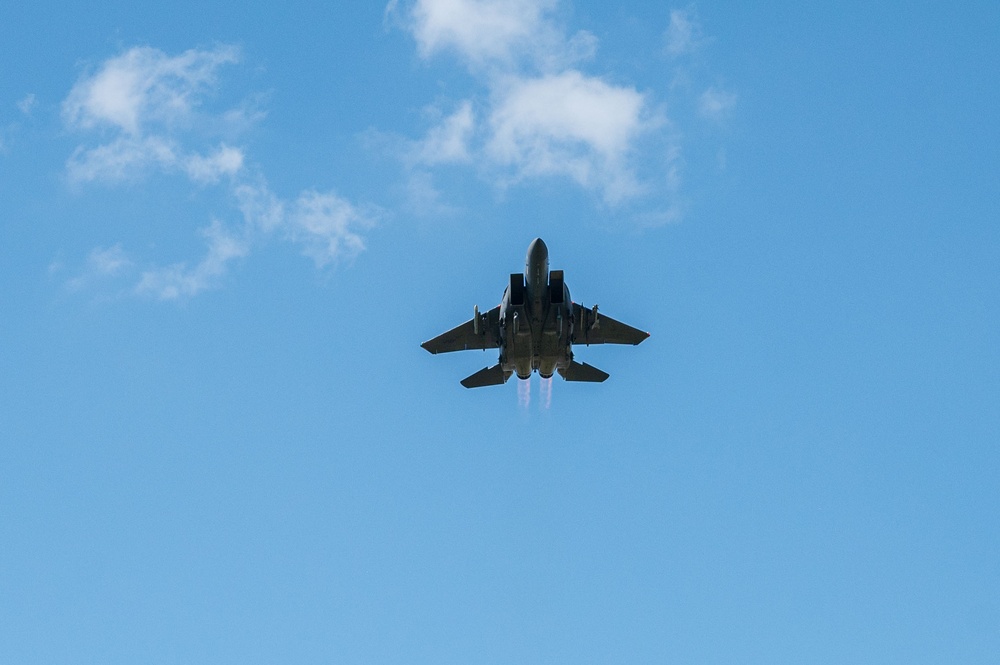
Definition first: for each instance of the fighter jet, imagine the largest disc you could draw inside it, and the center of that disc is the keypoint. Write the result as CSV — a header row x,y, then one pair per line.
x,y
535,327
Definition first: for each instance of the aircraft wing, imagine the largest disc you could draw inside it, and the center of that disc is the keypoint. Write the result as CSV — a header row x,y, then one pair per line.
x,y
464,337
593,327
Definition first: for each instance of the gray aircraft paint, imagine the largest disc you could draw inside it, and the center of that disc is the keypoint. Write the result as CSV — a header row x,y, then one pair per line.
x,y
535,327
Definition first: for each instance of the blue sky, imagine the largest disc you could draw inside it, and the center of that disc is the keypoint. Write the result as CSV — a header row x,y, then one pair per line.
x,y
226,231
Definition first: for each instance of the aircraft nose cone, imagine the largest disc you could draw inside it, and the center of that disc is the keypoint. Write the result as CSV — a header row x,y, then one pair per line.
x,y
537,251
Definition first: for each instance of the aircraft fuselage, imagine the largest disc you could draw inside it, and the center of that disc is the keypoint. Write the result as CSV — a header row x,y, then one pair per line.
x,y
536,325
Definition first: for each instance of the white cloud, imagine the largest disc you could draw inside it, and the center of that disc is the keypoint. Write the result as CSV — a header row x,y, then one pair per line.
x,y
714,103
569,124
543,117
327,225
567,107
262,210
496,32
144,86
324,224
178,280
684,34
103,263
131,158
208,169
448,142
147,99
125,158
478,29
145,106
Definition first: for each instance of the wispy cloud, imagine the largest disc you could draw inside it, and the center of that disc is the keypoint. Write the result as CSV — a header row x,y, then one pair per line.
x,y
449,140
125,158
147,111
103,264
326,226
207,169
144,86
180,281
684,34
149,102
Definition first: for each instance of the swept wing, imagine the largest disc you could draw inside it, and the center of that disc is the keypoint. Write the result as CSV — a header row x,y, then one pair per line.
x,y
464,337
593,327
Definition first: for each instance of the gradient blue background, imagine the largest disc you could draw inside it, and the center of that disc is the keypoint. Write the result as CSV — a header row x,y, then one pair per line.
x,y
800,465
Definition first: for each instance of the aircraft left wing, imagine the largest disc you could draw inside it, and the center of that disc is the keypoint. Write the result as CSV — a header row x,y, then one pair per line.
x,y
463,337
593,327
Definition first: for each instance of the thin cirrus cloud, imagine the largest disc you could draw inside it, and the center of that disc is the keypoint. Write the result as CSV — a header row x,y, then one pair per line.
x,y
542,115
147,110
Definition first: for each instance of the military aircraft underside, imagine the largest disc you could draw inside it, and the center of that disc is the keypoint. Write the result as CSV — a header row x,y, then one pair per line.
x,y
535,327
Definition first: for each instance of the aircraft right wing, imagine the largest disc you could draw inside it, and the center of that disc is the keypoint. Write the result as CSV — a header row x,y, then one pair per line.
x,y
595,328
464,337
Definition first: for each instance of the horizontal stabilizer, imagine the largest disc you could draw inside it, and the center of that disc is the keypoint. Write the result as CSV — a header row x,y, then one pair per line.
x,y
583,372
488,376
